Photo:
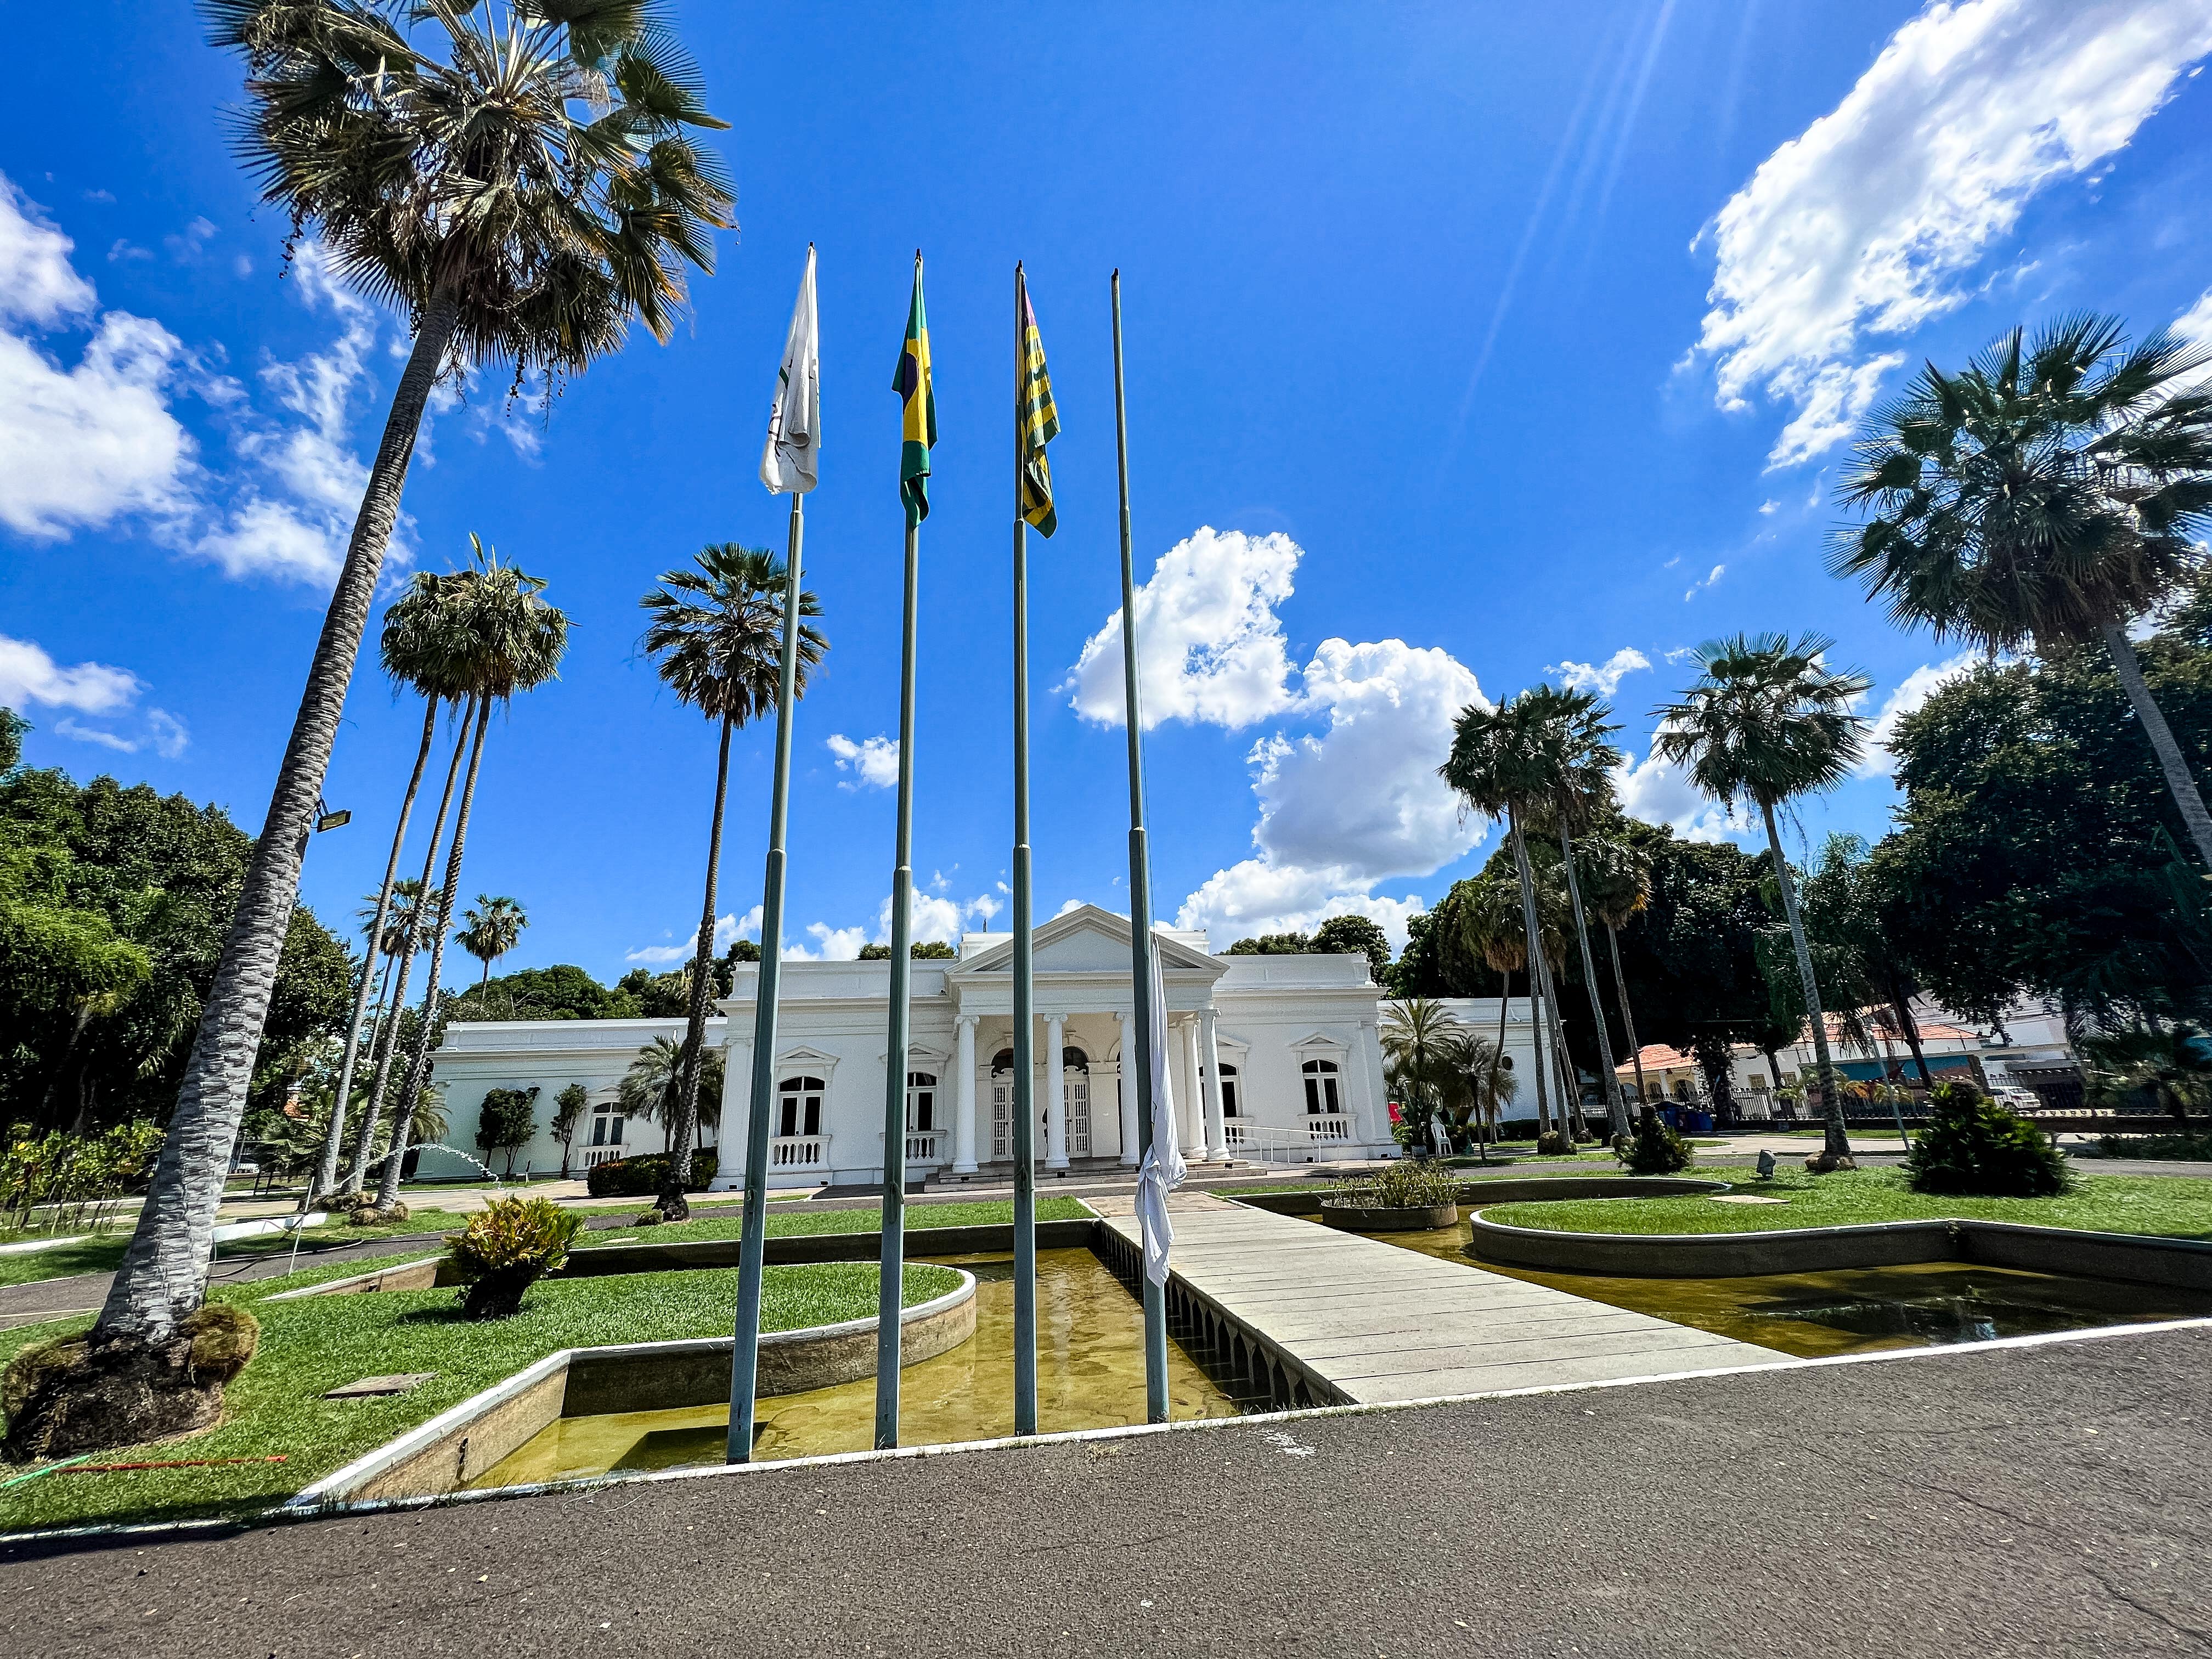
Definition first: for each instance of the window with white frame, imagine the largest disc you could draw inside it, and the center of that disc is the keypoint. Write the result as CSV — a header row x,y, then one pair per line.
x,y
799,1101
608,1128
1320,1082
921,1101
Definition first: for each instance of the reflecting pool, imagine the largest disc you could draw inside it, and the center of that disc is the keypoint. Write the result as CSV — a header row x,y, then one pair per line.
x,y
1090,1375
1858,1310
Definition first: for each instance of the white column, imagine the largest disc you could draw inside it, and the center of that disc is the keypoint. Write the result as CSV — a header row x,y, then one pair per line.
x,y
735,1131
1217,1128
963,1096
1370,1115
1056,1092
1130,1061
1194,1115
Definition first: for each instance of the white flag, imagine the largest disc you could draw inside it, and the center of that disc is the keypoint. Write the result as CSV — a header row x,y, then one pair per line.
x,y
795,419
1163,1169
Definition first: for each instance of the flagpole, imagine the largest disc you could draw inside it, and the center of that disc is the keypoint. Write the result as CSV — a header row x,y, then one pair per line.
x,y
1025,1123
1141,889
744,1356
890,1299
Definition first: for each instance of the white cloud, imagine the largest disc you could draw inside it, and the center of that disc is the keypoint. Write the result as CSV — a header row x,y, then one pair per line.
x,y
80,446
166,733
185,248
1211,650
38,284
1604,678
29,674
1345,809
1913,690
69,728
1768,506
1861,225
873,762
2195,325
123,249
830,944
1695,588
1658,792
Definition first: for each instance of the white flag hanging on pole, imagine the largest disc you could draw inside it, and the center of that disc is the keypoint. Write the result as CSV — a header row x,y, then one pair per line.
x,y
794,418
1163,1169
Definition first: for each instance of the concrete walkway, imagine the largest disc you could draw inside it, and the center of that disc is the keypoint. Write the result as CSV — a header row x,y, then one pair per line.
x,y
2043,1502
1377,1323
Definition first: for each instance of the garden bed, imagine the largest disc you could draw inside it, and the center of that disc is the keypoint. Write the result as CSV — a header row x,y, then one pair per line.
x,y
314,1345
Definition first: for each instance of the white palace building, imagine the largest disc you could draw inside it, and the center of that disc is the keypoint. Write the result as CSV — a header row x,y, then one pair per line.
x,y
1273,1057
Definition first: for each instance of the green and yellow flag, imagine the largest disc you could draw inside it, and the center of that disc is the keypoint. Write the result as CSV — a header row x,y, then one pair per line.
x,y
1035,418
918,432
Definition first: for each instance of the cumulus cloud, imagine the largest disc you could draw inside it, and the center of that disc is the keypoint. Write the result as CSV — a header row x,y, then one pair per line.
x,y
39,286
30,677
830,944
1211,649
1863,223
726,929
1658,792
1344,808
1911,692
873,762
1604,678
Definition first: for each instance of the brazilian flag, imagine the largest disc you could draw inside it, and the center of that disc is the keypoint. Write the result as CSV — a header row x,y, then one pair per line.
x,y
918,432
1037,419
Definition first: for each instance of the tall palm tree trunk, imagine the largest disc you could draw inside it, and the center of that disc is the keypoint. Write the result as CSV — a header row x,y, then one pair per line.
x,y
327,1171
418,1071
1902,1007
1837,1143
1571,1090
163,1275
1627,1014
1616,1115
2186,795
374,1110
673,1204
1529,963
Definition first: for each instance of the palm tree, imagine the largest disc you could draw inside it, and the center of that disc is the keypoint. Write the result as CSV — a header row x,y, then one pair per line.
x,y
1582,763
1416,1035
519,198
413,909
1490,926
1616,875
1767,722
2047,494
717,637
1481,1084
417,651
495,927
513,643
1502,763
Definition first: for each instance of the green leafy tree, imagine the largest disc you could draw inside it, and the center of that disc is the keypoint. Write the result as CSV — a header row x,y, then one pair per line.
x,y
1769,722
506,1121
920,951
568,1109
716,636
563,991
519,198
1271,945
2045,496
1354,936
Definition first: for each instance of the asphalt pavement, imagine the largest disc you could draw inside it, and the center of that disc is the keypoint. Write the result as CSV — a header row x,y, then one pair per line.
x,y
2046,1500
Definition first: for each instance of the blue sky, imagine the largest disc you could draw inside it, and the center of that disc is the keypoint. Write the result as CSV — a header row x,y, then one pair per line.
x,y
1466,346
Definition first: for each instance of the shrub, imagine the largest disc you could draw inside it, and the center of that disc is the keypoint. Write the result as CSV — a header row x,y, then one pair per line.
x,y
1973,1147
1655,1148
506,1249
2192,1148
1552,1142
1408,1184
642,1177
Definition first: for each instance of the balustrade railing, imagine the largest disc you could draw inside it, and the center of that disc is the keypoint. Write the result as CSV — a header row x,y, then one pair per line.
x,y
798,1152
1313,1139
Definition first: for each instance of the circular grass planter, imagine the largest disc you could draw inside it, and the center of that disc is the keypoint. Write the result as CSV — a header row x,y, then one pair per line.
x,y
1411,1218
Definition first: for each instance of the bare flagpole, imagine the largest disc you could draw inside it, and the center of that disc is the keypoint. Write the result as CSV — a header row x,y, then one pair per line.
x,y
1141,889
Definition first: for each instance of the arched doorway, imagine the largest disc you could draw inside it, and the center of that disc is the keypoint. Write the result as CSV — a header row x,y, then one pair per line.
x,y
1075,1076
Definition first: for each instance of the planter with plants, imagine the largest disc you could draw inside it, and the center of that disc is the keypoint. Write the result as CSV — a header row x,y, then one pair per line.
x,y
1417,1196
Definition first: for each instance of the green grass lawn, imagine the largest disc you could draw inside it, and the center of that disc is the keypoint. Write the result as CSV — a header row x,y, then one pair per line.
x,y
869,1219
316,1344
2176,1207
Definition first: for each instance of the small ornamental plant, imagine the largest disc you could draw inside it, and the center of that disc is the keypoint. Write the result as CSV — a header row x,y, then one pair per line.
x,y
1973,1147
1655,1148
508,1247
1407,1184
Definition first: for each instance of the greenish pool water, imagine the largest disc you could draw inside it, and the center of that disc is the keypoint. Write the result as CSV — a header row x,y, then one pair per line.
x,y
1090,1375
1859,1309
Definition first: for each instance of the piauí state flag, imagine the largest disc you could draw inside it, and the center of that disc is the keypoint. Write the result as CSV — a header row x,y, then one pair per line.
x,y
1039,419
918,430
